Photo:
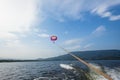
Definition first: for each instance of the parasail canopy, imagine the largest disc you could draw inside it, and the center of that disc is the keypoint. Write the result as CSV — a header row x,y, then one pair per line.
x,y
53,38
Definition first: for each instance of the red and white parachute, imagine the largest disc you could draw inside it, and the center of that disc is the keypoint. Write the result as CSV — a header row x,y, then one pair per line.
x,y
53,38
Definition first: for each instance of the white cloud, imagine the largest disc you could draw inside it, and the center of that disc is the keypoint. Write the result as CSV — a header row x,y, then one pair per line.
x,y
62,10
21,52
7,36
103,10
13,43
88,46
99,31
39,30
43,35
19,16
74,47
72,44
16,16
72,41
17,19
115,17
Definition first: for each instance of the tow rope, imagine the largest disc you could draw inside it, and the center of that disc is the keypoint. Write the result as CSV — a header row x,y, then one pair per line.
x,y
87,64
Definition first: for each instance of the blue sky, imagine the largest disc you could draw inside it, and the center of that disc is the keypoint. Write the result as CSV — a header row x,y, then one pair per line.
x,y
26,27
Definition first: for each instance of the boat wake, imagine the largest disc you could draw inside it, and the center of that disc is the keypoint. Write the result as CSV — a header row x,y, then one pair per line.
x,y
71,72
112,72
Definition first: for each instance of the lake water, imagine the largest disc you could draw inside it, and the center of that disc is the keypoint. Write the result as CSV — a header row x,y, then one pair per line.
x,y
35,70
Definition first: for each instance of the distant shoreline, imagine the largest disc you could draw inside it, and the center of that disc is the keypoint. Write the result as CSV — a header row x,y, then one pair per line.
x,y
85,55
4,61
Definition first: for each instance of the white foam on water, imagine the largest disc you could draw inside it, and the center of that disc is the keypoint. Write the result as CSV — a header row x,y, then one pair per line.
x,y
96,76
95,65
113,73
46,78
66,66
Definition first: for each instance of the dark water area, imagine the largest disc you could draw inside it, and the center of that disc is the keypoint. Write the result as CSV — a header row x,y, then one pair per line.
x,y
34,70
